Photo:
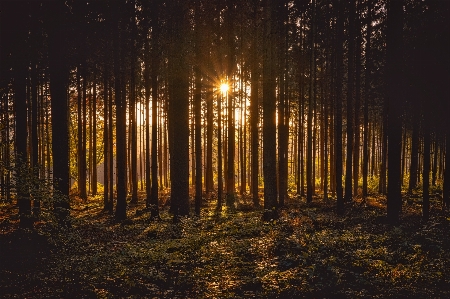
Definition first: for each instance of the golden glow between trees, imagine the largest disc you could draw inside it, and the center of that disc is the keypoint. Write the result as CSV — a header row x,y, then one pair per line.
x,y
224,87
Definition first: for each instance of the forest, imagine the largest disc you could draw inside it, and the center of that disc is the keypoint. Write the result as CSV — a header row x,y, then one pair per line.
x,y
225,149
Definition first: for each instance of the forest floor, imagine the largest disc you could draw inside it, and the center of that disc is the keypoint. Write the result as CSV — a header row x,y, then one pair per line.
x,y
309,252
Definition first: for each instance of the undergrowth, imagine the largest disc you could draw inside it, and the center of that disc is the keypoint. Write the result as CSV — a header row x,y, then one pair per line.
x,y
307,252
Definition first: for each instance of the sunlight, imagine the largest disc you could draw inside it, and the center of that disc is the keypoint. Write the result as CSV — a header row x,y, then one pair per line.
x,y
224,87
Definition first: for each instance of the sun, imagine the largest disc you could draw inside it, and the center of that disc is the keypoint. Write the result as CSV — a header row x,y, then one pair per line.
x,y
224,87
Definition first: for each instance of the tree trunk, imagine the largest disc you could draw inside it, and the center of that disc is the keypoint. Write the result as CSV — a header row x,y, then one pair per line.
x,y
338,108
254,110
435,160
147,85
350,98
367,94
219,152
94,139
59,109
133,120
180,111
155,69
356,151
309,150
394,99
283,122
426,168
230,199
84,170
121,132
106,152
198,114
269,116
446,193
414,155
209,180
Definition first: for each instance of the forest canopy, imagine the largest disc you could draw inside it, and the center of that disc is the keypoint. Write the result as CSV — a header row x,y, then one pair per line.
x,y
325,100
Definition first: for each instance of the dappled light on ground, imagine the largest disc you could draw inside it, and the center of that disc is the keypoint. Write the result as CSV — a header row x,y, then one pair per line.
x,y
308,252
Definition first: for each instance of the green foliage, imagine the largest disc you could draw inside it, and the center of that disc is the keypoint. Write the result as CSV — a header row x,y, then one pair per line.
x,y
307,252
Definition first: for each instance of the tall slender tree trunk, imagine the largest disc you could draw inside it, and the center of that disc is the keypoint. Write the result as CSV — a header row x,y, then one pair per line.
x,y
254,110
106,152
80,138
283,129
350,98
435,160
338,107
94,139
426,168
230,201
209,181
133,119
325,151
394,99
147,85
111,151
155,100
367,95
34,138
269,115
121,132
219,152
180,110
84,170
356,146
309,150
413,168
446,191
197,114
59,109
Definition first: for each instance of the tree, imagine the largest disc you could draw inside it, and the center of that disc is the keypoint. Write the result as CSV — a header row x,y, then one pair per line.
x,y
155,68
197,110
180,108
414,149
338,108
312,76
367,94
94,138
121,118
59,107
283,115
394,99
132,105
230,172
106,151
426,168
350,99
269,115
254,107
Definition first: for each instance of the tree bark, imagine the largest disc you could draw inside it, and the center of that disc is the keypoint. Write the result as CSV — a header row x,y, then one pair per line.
x,y
59,108
197,114
254,109
395,103
121,143
309,150
155,100
338,108
180,110
350,99
269,116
